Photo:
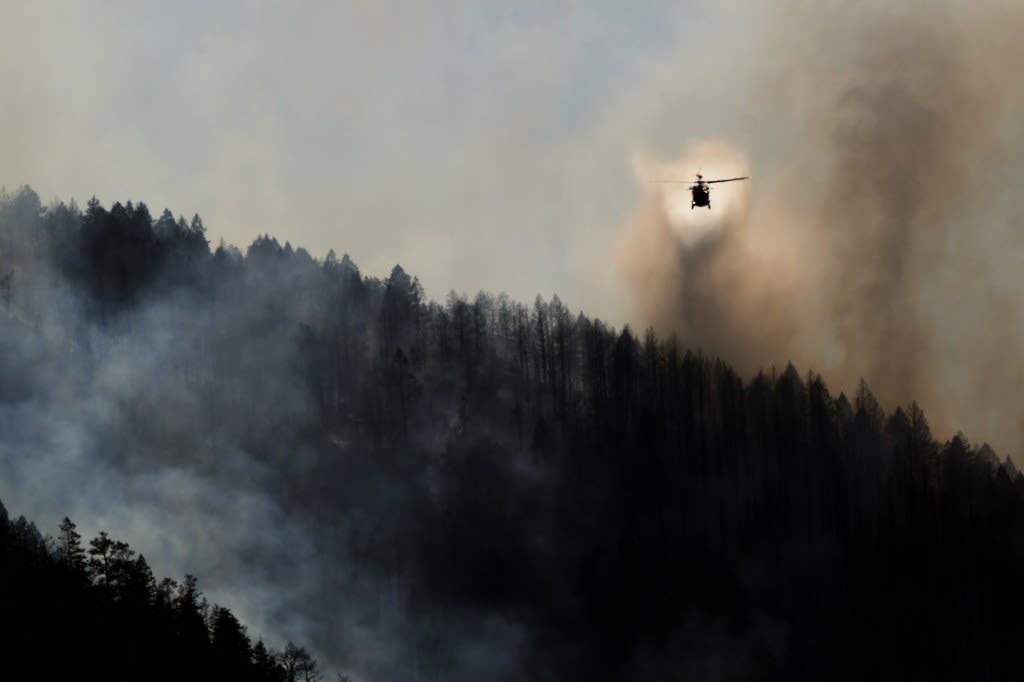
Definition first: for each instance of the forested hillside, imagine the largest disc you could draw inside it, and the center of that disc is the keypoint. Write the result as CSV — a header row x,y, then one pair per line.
x,y
77,611
485,489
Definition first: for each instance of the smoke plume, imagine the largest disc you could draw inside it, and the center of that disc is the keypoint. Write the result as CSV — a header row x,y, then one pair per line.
x,y
879,244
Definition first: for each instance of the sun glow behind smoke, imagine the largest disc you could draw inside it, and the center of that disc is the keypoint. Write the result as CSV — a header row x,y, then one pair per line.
x,y
729,201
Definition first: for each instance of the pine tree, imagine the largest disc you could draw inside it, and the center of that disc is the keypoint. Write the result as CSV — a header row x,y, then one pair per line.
x,y
69,547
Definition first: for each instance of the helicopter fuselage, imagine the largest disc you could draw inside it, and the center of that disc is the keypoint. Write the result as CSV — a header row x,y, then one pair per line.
x,y
701,195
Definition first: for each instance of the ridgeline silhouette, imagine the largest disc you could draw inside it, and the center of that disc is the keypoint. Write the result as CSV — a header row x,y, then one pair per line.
x,y
479,489
74,612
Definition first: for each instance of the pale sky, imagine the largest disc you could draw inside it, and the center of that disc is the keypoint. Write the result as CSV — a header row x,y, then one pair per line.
x,y
481,145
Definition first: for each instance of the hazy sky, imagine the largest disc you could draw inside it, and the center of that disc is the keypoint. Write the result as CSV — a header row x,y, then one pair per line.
x,y
481,145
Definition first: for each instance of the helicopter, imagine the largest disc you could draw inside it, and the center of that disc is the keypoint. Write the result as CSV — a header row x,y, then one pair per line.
x,y
701,193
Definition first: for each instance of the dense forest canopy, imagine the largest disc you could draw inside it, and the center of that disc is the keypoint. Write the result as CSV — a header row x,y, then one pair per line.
x,y
475,488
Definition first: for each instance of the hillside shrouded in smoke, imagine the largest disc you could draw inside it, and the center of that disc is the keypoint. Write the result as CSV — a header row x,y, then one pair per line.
x,y
476,490
489,489
883,242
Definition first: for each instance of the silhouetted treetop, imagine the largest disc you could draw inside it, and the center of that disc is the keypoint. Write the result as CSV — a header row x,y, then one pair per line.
x,y
121,622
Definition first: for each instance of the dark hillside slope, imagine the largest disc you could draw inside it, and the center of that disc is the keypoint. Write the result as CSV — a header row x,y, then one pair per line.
x,y
483,489
96,612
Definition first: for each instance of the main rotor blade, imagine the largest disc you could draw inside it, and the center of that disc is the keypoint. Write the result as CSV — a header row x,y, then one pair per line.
x,y
745,177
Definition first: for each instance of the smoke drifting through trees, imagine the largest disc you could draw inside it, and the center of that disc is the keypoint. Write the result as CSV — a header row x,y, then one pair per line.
x,y
482,489
880,245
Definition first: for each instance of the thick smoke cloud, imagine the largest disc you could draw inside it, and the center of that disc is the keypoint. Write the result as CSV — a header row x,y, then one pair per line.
x,y
880,244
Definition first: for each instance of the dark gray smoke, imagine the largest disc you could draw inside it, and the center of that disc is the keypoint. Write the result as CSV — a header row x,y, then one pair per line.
x,y
114,427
